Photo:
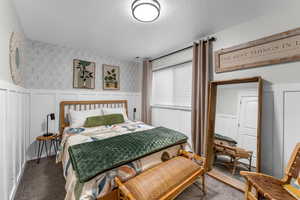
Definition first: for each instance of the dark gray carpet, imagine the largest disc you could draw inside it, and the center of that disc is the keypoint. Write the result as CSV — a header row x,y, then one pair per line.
x,y
44,181
222,164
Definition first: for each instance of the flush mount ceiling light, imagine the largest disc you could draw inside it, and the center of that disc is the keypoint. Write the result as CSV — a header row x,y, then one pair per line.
x,y
145,10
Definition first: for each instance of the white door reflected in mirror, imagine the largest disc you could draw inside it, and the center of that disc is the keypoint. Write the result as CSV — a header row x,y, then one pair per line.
x,y
235,139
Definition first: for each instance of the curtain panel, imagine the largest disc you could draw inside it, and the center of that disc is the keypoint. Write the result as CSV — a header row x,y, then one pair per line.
x,y
146,91
200,84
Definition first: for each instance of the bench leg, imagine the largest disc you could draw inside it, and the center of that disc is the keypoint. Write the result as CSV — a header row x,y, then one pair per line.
x,y
248,188
250,163
248,192
234,166
200,183
203,184
123,192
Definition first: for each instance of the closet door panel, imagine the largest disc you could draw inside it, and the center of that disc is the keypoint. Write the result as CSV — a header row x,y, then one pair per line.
x,y
291,123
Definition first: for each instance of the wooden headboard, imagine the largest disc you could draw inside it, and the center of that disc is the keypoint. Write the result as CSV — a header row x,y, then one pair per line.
x,y
65,106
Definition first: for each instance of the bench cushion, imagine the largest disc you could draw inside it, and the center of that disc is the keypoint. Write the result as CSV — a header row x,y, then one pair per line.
x,y
158,181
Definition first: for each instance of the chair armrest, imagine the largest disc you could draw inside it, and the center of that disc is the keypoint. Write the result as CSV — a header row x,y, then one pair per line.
x,y
247,174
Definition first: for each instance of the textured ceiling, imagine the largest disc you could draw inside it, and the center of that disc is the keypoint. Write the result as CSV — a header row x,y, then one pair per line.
x,y
107,26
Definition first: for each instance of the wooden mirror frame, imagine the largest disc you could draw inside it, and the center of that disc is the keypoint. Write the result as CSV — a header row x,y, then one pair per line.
x,y
211,129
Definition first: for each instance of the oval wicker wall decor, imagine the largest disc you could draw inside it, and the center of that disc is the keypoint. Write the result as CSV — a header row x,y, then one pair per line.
x,y
14,57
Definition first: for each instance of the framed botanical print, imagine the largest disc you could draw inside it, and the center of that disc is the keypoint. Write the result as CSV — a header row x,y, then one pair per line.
x,y
111,77
83,74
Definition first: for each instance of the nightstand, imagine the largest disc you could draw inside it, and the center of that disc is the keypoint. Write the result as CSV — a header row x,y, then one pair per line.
x,y
42,141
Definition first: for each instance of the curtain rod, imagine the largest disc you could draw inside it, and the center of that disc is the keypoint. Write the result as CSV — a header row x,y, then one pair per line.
x,y
185,48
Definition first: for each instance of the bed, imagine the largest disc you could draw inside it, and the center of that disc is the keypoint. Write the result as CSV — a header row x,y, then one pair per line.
x,y
102,185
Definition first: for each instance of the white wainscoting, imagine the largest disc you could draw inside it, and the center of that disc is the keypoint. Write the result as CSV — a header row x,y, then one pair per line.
x,y
14,126
44,102
267,132
3,179
173,118
226,125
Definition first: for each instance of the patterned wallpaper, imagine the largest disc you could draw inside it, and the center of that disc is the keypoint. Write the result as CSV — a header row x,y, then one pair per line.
x,y
51,67
23,46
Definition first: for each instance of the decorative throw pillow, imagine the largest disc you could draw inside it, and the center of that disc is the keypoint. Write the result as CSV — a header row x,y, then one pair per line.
x,y
294,187
114,119
104,120
108,111
77,118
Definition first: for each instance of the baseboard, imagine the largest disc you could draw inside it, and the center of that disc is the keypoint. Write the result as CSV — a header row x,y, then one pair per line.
x,y
44,155
19,177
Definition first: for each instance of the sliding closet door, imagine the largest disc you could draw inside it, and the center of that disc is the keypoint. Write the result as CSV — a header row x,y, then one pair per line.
x,y
291,123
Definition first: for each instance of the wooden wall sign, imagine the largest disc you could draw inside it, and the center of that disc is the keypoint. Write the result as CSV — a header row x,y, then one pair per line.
x,y
278,48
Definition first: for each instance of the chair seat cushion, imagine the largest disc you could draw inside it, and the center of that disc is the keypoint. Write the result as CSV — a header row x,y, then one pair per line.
x,y
270,187
158,181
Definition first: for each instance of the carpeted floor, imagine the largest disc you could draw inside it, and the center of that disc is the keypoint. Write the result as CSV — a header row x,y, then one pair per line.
x,y
222,164
44,181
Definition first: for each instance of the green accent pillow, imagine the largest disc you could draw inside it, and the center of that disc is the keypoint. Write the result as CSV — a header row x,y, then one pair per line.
x,y
103,120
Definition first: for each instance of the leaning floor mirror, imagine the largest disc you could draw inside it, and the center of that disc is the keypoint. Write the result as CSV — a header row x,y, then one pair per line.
x,y
234,126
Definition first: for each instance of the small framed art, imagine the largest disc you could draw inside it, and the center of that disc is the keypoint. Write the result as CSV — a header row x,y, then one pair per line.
x,y
111,77
83,74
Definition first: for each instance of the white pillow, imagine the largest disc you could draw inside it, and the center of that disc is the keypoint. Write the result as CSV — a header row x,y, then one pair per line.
x,y
78,118
108,111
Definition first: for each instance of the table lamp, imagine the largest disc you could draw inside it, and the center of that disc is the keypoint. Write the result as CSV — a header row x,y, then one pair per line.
x,y
134,113
52,117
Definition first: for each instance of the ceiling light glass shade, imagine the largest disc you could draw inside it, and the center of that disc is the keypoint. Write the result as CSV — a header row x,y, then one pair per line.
x,y
145,10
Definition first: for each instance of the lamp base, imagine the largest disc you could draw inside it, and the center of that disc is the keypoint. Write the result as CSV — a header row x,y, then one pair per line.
x,y
47,134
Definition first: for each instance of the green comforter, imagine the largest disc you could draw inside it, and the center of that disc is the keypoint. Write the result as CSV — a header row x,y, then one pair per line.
x,y
92,158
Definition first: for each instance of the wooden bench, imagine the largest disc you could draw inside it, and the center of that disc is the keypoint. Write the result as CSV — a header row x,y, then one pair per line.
x,y
165,181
